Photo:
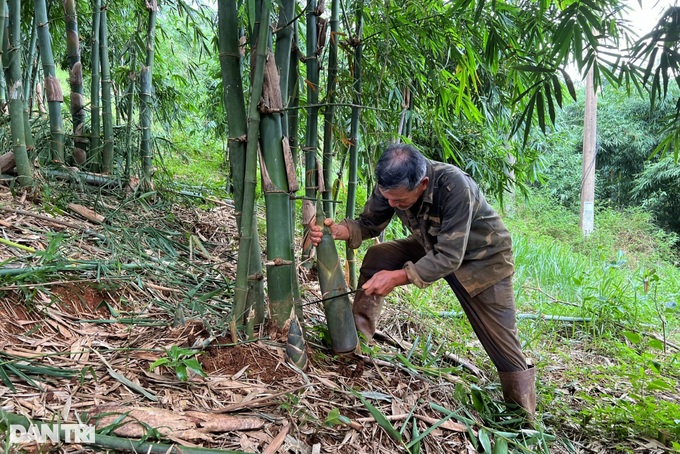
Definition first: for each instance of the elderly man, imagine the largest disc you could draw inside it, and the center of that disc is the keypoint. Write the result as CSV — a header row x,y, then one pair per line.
x,y
455,235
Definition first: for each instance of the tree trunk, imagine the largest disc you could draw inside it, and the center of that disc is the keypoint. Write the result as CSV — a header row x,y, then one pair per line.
x,y
354,141
95,113
250,177
52,86
329,114
146,146
587,217
232,81
11,60
75,73
107,116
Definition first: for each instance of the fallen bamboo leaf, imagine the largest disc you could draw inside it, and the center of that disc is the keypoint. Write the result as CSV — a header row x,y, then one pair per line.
x,y
448,425
126,381
87,213
278,440
259,401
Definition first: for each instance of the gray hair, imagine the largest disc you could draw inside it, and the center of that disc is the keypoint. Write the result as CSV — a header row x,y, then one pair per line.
x,y
401,166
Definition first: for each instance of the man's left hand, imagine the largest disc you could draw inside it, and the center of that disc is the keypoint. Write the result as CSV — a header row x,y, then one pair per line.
x,y
383,282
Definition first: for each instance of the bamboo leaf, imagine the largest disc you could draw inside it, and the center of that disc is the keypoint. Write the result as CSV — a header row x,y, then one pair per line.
x,y
500,446
484,439
5,379
380,419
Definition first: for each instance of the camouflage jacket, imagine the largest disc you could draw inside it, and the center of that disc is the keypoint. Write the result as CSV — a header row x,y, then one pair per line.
x,y
459,230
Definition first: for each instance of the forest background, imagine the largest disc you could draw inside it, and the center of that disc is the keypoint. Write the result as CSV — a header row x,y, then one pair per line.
x,y
493,87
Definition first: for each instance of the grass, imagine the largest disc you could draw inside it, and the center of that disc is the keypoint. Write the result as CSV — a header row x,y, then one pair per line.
x,y
613,377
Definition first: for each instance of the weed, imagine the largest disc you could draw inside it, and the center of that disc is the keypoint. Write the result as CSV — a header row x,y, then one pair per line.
x,y
181,360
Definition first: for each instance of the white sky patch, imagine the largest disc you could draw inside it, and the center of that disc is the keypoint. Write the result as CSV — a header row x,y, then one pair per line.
x,y
644,18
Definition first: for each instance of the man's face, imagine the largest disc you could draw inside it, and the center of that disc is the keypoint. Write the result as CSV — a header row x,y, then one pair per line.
x,y
403,199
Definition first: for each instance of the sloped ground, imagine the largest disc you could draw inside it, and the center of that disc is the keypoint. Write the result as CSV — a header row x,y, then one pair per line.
x,y
102,302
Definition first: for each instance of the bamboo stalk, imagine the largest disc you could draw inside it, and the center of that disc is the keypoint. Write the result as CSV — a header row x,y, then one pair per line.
x,y
230,65
354,141
329,113
30,270
52,85
336,305
106,116
17,245
250,181
11,59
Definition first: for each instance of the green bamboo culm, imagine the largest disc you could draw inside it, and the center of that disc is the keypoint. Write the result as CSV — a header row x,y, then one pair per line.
x,y
11,60
329,113
107,104
95,111
312,129
250,177
146,102
237,121
354,143
336,306
75,69
53,91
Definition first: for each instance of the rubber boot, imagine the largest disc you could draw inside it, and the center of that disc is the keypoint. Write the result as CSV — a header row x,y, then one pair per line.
x,y
366,310
520,388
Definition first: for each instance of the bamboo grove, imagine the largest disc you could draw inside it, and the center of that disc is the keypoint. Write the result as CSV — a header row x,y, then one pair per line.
x,y
311,94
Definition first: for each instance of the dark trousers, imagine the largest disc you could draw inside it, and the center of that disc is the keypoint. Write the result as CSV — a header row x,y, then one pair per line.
x,y
491,313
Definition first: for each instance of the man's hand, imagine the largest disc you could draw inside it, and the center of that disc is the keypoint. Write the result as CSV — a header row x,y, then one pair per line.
x,y
338,232
383,282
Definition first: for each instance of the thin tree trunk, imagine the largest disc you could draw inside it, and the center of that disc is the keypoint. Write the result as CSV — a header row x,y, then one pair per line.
x,y
75,73
107,116
232,81
354,142
95,112
11,59
52,87
250,180
146,146
329,113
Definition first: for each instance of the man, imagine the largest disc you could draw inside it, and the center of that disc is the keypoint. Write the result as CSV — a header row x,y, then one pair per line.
x,y
455,235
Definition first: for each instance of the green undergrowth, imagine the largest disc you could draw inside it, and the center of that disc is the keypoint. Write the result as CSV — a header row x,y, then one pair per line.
x,y
599,317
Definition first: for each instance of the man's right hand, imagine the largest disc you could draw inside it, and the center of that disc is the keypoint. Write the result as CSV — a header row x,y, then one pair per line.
x,y
338,231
